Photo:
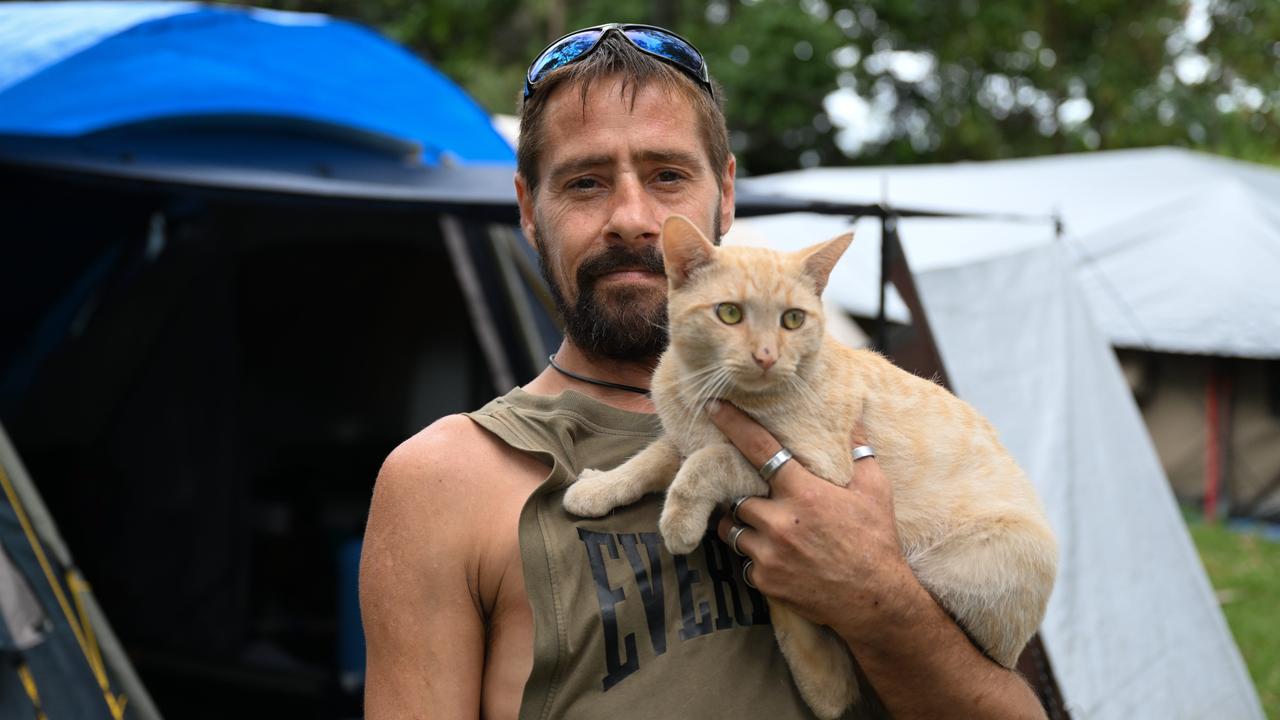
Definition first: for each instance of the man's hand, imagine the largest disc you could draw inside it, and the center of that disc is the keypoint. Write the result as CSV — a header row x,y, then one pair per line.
x,y
833,554
810,536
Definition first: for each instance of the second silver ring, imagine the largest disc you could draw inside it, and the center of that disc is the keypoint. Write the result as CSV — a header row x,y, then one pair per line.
x,y
734,534
771,465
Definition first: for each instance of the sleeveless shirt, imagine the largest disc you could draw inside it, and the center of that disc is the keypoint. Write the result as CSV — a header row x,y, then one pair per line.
x,y
623,628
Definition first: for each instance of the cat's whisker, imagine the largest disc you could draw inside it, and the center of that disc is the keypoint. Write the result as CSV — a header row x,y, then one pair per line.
x,y
708,391
800,384
696,385
702,371
704,389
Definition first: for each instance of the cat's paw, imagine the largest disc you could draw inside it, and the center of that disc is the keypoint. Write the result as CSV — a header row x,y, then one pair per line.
x,y
831,701
820,664
593,494
682,528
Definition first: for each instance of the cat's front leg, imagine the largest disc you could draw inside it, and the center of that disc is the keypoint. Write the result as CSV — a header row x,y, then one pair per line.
x,y
596,492
819,660
711,475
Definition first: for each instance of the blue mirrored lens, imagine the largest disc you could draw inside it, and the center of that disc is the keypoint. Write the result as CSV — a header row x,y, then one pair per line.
x,y
668,46
562,53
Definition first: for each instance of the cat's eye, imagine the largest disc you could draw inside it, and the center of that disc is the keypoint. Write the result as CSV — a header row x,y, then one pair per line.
x,y
792,319
729,313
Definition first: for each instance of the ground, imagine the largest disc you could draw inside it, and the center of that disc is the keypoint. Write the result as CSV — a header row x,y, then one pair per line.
x,y
1244,566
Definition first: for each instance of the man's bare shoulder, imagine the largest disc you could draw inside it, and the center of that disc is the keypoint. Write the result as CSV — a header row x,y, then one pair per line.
x,y
449,465
429,500
450,447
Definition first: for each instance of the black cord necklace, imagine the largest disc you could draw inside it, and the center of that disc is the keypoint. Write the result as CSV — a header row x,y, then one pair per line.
x,y
602,383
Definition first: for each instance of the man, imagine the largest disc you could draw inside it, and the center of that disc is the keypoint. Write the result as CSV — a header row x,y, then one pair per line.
x,y
482,596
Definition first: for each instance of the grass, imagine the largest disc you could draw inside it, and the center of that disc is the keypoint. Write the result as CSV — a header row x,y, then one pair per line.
x,y
1245,570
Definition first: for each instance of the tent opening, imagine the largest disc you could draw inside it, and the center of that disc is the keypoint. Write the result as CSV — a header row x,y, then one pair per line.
x,y
209,423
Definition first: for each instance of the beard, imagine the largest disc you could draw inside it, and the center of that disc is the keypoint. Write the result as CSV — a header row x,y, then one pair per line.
x,y
626,323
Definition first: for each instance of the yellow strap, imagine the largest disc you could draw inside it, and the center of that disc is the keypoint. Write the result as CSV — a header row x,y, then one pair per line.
x,y
79,588
29,684
78,626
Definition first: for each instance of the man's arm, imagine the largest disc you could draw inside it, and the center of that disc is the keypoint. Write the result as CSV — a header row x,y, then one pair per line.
x,y
422,620
833,554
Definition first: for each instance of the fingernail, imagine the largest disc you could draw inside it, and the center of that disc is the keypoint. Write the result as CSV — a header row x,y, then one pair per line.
x,y
713,407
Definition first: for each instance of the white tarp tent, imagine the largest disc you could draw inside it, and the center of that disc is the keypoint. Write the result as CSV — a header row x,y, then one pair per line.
x,y
1176,251
1133,629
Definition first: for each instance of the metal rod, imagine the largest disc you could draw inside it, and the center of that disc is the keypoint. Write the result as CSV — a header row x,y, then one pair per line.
x,y
886,250
504,239
455,242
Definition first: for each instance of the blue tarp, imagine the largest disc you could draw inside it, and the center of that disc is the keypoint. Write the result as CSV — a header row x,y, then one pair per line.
x,y
73,68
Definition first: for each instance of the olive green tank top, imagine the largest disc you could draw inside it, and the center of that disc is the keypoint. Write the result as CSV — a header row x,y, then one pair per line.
x,y
622,628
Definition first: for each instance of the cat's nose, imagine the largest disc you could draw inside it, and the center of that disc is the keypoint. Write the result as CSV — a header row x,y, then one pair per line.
x,y
764,358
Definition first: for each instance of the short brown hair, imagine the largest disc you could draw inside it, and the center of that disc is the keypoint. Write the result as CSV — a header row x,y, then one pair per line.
x,y
617,57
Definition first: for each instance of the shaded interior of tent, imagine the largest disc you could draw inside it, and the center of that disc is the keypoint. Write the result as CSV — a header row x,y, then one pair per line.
x,y
204,386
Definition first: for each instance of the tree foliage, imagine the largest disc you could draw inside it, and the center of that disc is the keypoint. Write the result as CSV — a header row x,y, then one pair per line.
x,y
829,82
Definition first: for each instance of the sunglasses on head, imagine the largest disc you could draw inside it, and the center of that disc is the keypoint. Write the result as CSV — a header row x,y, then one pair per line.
x,y
651,40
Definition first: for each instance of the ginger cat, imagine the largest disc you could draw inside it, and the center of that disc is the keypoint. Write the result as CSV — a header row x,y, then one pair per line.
x,y
747,326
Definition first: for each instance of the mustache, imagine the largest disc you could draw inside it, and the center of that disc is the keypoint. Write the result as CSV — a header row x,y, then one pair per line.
x,y
617,257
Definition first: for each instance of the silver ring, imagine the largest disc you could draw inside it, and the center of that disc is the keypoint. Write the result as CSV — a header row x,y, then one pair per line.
x,y
735,532
771,465
733,508
863,451
746,573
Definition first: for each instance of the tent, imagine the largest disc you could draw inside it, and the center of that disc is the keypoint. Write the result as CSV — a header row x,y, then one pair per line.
x,y
1133,628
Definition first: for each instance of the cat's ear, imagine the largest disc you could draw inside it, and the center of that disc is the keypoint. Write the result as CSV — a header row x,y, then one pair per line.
x,y
684,249
821,258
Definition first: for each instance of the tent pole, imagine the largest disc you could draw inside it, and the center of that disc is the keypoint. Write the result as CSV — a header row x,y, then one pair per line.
x,y
503,238
1212,451
455,242
915,346
888,224
1226,427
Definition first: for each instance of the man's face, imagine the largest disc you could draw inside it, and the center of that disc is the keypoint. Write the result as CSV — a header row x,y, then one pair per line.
x,y
611,173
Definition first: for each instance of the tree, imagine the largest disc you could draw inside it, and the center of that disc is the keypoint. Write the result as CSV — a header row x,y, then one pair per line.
x,y
899,81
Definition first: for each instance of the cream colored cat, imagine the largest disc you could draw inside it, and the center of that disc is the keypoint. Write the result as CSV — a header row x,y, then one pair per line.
x,y
747,326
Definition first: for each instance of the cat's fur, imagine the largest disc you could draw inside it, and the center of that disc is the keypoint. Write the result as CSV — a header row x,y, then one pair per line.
x,y
968,520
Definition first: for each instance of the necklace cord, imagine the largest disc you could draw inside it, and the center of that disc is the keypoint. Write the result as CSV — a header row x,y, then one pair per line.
x,y
602,383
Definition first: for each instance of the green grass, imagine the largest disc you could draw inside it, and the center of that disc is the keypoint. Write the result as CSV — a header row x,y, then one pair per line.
x,y
1245,570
